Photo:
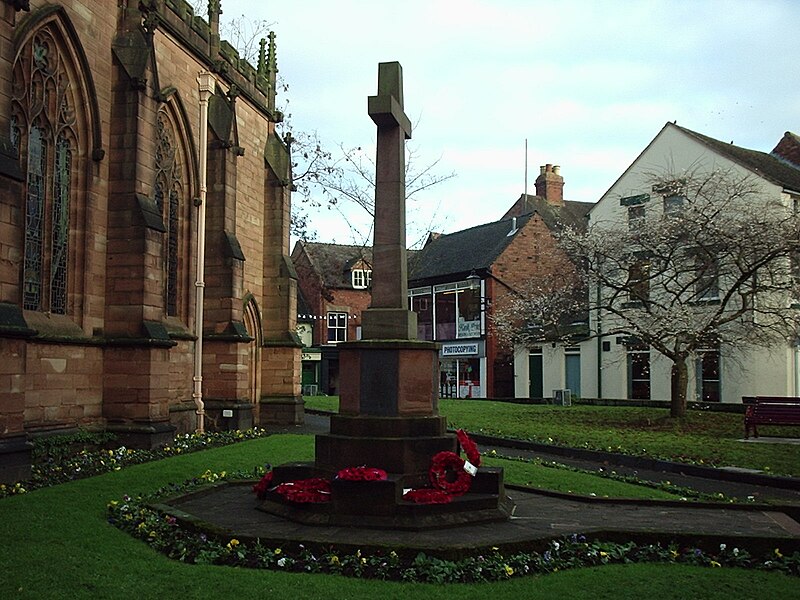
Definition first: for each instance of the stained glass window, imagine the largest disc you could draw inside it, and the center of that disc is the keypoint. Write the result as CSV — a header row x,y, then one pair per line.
x,y
168,199
43,130
60,227
34,221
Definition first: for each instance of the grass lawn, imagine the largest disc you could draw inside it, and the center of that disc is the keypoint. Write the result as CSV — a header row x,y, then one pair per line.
x,y
702,437
57,544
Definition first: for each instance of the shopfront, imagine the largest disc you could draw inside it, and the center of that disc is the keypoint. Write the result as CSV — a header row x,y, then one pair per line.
x,y
462,370
451,311
310,374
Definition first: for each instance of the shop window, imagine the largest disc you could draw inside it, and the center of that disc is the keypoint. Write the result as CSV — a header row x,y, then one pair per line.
x,y
446,315
469,313
458,311
460,378
423,306
361,278
337,327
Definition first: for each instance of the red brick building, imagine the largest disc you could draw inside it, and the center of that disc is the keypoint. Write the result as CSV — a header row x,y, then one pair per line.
x,y
457,280
335,281
99,176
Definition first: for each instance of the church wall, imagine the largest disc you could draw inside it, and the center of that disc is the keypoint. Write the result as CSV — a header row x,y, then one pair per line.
x,y
115,356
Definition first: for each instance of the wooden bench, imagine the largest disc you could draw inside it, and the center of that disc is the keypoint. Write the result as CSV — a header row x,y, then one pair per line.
x,y
770,410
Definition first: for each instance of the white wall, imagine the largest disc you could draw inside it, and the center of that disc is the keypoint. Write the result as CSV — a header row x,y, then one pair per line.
x,y
751,371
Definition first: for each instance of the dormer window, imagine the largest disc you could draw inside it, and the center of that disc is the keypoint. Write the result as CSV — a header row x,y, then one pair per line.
x,y
361,278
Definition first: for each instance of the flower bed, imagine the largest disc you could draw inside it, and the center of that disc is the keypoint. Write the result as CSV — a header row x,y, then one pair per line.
x,y
169,536
59,467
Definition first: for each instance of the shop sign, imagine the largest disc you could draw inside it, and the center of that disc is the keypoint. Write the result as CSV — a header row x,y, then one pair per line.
x,y
460,350
311,356
467,329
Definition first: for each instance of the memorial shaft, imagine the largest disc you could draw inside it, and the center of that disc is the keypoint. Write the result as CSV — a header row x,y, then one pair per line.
x,y
388,316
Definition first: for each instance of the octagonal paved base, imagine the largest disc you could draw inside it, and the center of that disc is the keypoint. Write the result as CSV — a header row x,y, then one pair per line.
x,y
230,509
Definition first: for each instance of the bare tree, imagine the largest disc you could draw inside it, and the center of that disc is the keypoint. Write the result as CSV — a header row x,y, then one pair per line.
x,y
346,177
243,33
322,178
716,266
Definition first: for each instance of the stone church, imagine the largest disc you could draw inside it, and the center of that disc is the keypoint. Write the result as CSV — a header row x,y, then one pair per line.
x,y
101,171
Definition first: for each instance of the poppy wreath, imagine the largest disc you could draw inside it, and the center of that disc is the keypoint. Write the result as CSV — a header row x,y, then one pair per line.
x,y
427,496
447,466
315,490
263,485
361,474
469,447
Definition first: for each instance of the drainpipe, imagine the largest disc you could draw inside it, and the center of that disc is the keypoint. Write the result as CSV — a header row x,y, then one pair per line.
x,y
205,82
599,349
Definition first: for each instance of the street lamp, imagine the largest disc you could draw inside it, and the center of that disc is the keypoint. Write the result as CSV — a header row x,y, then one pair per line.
x,y
473,279
205,82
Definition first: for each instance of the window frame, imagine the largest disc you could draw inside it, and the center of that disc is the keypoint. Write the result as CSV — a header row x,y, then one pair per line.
x,y
706,278
673,204
49,274
637,213
338,328
361,279
638,356
639,274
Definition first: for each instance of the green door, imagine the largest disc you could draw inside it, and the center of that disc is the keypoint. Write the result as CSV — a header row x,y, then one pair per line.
x,y
535,376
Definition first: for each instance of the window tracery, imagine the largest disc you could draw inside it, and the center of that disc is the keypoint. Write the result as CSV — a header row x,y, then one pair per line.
x,y
169,198
43,129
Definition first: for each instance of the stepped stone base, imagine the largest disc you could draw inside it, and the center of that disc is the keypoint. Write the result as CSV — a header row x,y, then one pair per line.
x,y
394,444
388,419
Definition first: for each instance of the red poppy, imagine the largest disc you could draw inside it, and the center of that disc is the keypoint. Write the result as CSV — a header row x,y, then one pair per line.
x,y
362,474
427,496
263,485
447,473
470,449
306,490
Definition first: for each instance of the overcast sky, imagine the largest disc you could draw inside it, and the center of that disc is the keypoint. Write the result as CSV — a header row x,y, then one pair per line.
x,y
588,84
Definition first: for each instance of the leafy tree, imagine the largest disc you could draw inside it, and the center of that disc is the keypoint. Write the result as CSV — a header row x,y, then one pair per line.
x,y
718,266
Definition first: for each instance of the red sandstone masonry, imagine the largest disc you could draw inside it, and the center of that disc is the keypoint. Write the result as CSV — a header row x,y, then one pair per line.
x,y
116,278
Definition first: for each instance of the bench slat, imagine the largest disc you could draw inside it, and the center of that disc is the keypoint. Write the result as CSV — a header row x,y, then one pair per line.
x,y
769,410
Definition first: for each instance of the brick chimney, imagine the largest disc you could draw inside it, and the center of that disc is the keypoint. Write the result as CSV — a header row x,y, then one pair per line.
x,y
788,148
550,185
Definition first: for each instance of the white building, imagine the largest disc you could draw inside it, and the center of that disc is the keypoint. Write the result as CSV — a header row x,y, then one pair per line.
x,y
615,367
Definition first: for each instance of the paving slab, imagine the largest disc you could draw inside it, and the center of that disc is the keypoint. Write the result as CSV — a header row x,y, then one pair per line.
x,y
232,508
540,516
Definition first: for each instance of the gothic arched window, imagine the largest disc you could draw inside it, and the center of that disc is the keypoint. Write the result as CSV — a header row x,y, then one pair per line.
x,y
43,129
170,199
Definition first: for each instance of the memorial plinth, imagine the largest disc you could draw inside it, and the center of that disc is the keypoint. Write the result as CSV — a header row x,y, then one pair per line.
x,y
388,410
389,381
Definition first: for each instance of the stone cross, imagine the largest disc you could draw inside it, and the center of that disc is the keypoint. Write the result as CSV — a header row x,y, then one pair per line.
x,y
388,316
